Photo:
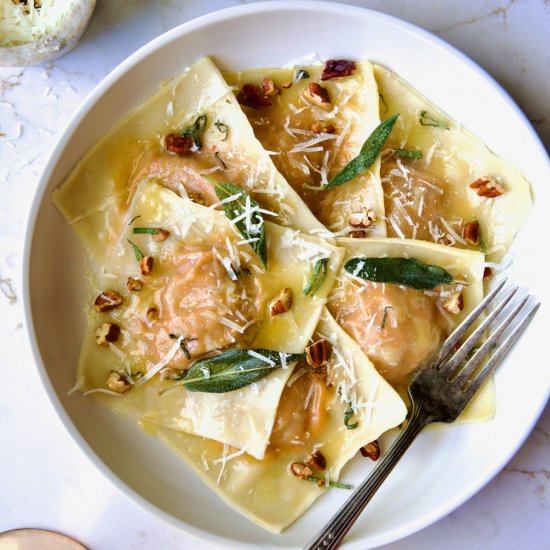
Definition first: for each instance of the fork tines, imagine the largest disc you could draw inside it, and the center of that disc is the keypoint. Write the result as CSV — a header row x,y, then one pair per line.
x,y
454,367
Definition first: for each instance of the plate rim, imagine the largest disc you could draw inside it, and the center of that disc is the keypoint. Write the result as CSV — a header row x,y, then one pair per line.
x,y
408,528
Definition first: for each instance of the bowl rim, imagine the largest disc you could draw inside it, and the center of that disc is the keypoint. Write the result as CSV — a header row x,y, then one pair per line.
x,y
406,529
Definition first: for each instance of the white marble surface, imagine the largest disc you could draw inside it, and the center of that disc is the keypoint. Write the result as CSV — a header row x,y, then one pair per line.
x,y
45,480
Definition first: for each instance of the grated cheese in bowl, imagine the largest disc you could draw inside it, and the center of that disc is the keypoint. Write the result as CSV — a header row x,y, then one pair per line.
x,y
36,30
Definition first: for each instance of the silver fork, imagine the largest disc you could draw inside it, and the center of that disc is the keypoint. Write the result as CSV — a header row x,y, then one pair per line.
x,y
438,393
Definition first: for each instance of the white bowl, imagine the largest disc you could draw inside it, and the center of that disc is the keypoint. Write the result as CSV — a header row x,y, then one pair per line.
x,y
58,42
444,467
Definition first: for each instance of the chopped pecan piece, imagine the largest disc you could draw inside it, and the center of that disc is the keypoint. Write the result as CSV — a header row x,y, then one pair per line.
x,y
160,235
117,382
181,145
487,187
282,303
317,460
107,300
471,233
319,128
269,88
107,332
134,284
146,265
371,450
318,96
454,303
301,471
487,273
335,68
152,313
363,219
318,354
252,96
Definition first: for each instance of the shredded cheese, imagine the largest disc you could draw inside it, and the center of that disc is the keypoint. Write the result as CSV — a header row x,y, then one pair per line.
x,y
23,23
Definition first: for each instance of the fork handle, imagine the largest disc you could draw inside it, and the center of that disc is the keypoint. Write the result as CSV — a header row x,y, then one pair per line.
x,y
336,529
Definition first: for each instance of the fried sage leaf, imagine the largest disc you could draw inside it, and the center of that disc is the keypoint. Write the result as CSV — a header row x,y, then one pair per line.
x,y
245,214
367,156
427,120
196,131
234,369
408,153
409,272
137,252
317,277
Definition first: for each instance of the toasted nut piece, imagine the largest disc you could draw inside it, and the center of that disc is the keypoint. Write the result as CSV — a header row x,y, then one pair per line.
x,y
286,84
146,265
301,471
335,68
362,219
487,273
282,303
318,354
160,235
471,233
252,96
487,187
152,313
107,300
181,145
371,450
358,234
454,303
319,128
269,88
317,460
318,96
117,382
107,332
134,284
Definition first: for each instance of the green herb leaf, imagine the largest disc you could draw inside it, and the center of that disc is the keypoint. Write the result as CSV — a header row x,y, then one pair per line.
x,y
427,120
234,369
251,228
408,153
348,414
400,271
134,219
196,131
317,277
145,230
137,252
300,74
220,160
367,156
331,483
383,323
184,341
222,128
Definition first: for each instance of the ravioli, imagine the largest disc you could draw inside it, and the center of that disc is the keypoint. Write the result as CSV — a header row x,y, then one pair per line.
x,y
432,198
208,287
399,328
250,485
211,235
311,143
97,192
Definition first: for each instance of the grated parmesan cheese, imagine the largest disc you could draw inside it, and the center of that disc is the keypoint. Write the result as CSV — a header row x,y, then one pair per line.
x,y
23,23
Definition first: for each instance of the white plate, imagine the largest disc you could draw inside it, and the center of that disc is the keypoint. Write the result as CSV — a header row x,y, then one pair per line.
x,y
444,467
